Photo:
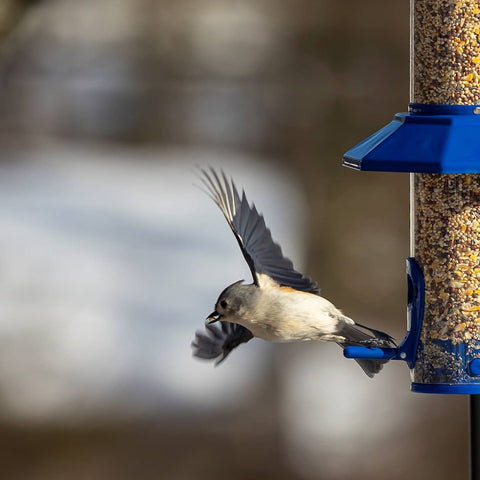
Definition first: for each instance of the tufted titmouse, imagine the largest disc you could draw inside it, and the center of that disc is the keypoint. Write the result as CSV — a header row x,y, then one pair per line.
x,y
281,305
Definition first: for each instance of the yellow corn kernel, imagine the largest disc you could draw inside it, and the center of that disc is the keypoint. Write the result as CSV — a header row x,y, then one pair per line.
x,y
473,309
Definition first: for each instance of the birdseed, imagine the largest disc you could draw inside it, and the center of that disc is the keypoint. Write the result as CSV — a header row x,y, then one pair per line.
x,y
440,365
446,51
446,208
447,249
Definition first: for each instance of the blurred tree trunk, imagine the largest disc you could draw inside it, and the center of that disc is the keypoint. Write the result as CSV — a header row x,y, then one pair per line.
x,y
11,13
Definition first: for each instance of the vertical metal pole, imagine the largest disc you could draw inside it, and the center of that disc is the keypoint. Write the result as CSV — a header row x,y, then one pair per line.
x,y
475,437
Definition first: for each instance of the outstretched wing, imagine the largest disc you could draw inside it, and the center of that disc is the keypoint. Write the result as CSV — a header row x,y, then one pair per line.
x,y
219,340
262,254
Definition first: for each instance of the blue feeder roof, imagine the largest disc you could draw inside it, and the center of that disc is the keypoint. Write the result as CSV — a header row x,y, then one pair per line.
x,y
427,139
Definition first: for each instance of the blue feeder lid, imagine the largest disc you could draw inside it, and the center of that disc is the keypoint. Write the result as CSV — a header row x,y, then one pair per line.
x,y
427,139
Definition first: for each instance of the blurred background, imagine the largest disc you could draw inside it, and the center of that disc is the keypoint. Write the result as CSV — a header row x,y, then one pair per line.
x,y
111,258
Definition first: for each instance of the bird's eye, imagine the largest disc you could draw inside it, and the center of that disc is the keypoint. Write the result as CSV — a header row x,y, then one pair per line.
x,y
223,304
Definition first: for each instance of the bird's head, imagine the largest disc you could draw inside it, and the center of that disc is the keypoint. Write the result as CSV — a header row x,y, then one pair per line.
x,y
231,302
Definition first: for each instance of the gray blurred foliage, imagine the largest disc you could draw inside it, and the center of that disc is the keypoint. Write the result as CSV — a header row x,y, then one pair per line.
x,y
297,81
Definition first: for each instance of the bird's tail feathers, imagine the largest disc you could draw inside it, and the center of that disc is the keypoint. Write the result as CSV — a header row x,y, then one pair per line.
x,y
370,367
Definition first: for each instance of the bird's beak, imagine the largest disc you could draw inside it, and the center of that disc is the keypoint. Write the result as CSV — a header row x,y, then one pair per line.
x,y
213,317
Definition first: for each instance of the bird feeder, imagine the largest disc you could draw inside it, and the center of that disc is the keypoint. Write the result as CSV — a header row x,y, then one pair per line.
x,y
438,142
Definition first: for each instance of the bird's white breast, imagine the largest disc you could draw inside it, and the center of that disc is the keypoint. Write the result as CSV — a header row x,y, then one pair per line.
x,y
283,314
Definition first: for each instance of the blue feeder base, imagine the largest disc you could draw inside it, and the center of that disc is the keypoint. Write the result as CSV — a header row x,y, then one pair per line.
x,y
446,388
444,367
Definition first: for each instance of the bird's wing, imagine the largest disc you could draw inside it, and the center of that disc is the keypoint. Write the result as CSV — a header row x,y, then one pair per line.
x,y
262,254
219,340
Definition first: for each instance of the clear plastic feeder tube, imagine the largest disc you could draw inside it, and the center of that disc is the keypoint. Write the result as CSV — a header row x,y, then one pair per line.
x,y
445,208
445,51
446,241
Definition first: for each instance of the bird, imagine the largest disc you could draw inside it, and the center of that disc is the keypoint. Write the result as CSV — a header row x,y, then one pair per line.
x,y
281,304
